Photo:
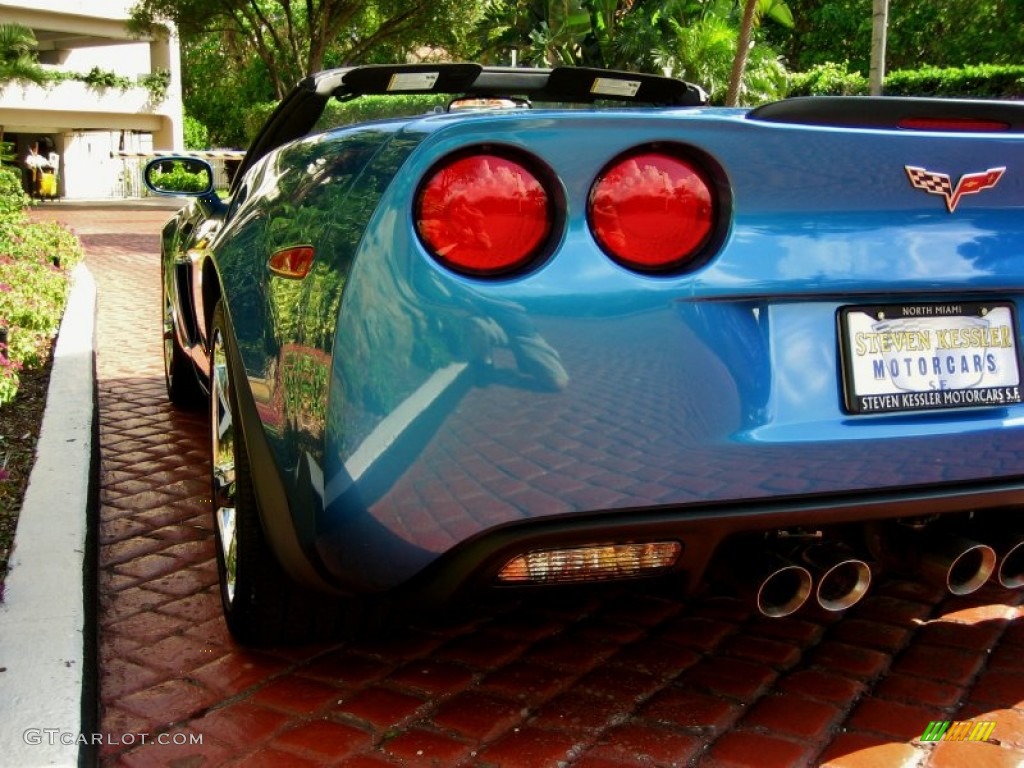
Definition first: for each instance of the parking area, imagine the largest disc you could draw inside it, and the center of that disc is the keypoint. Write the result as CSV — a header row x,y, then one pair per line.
x,y
634,677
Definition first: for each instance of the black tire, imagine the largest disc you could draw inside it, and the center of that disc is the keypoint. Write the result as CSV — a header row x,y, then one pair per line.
x,y
262,605
183,388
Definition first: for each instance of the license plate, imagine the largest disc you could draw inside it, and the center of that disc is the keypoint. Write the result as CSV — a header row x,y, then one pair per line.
x,y
911,357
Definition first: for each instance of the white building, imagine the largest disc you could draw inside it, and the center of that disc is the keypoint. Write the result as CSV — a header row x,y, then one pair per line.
x,y
87,125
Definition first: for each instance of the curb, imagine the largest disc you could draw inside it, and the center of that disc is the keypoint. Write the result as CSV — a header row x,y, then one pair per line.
x,y
44,638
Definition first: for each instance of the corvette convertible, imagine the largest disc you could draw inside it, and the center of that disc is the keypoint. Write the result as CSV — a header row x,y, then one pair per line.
x,y
568,326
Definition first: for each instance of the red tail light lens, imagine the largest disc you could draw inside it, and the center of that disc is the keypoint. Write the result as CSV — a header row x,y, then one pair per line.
x,y
484,214
652,210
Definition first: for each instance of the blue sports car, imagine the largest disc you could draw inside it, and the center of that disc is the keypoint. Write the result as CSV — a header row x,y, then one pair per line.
x,y
575,326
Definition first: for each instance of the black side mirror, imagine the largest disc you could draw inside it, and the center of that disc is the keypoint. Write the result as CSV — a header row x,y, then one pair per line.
x,y
188,176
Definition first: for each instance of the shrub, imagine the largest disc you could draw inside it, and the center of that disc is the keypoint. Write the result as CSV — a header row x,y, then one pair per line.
x,y
197,135
179,180
35,258
978,82
828,80
13,199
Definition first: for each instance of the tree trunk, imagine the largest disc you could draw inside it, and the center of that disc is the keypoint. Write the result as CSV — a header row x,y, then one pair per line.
x,y
879,32
739,64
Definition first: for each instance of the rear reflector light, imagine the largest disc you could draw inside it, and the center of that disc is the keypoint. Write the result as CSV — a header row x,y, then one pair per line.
x,y
590,563
293,263
968,125
484,214
652,211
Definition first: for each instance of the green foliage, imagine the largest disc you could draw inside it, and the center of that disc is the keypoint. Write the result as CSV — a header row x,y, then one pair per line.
x,y
828,80
17,55
157,83
365,109
289,41
178,179
940,33
982,82
703,53
13,199
378,108
218,91
34,262
197,135
692,39
104,78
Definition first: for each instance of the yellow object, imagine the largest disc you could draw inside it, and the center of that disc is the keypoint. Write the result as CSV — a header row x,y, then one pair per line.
x,y
48,185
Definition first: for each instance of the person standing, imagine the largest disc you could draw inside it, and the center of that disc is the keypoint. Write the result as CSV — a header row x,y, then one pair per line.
x,y
39,166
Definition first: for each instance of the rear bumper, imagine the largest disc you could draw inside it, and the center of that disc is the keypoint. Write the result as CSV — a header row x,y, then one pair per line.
x,y
474,564
701,529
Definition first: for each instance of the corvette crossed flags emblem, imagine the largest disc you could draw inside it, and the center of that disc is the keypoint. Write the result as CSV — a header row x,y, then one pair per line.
x,y
940,183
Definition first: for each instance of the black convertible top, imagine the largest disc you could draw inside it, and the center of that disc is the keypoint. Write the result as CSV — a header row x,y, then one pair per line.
x,y
300,109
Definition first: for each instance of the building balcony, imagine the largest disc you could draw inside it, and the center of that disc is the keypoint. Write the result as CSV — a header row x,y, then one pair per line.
x,y
84,105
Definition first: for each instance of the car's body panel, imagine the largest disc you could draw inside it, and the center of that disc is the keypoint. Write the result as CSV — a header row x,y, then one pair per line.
x,y
409,417
612,390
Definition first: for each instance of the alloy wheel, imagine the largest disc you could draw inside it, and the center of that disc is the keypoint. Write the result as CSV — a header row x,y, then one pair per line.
x,y
222,424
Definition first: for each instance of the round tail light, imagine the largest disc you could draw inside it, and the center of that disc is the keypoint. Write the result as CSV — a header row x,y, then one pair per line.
x,y
652,210
484,214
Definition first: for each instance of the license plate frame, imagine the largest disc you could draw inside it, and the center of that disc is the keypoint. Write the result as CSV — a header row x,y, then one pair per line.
x,y
915,356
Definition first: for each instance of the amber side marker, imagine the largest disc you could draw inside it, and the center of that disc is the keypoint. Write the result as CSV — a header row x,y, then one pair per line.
x,y
590,563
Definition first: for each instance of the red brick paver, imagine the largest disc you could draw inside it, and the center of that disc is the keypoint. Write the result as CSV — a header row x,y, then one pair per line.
x,y
635,678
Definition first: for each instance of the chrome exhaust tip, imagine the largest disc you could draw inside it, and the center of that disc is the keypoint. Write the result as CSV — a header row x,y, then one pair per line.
x,y
843,579
783,588
961,565
1010,572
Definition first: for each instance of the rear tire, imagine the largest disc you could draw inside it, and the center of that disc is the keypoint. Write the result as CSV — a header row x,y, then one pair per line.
x,y
183,389
262,605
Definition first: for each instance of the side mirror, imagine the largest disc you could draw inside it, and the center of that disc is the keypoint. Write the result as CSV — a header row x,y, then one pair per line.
x,y
189,176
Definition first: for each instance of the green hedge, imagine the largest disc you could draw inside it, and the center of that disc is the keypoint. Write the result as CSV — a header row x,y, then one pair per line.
x,y
361,110
178,179
979,82
35,258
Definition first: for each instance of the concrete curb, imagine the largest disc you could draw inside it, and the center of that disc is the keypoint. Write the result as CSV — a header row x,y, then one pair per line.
x,y
44,639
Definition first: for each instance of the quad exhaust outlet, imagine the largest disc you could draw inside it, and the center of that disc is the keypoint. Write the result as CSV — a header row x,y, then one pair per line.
x,y
780,575
781,580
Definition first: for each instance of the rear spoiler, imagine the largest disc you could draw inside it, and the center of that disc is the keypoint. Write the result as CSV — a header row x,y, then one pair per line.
x,y
582,85
891,112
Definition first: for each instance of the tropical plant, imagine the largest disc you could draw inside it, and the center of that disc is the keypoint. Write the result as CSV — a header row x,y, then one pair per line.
x,y
17,55
693,39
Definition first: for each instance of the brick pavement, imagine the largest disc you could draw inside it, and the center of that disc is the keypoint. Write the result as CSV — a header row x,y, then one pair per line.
x,y
627,678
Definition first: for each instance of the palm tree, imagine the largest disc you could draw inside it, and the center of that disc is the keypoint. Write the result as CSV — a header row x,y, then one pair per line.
x,y
753,12
17,55
739,63
879,32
